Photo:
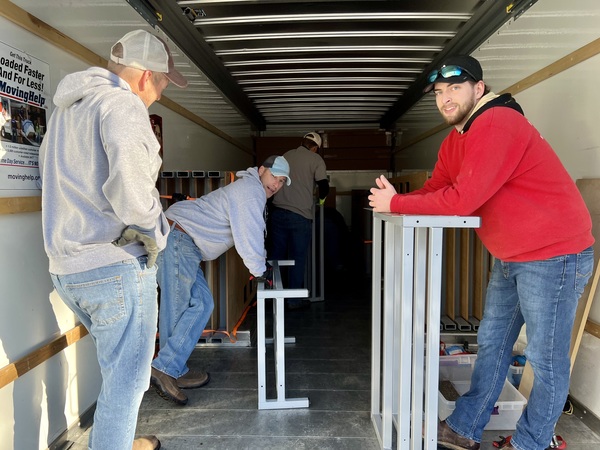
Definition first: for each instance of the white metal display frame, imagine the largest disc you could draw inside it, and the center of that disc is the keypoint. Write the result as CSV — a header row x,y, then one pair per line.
x,y
278,294
406,326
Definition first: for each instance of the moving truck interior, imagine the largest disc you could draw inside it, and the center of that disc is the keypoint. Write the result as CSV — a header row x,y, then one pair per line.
x,y
262,74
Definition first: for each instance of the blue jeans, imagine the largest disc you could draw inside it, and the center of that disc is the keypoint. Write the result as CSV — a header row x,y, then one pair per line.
x,y
290,236
544,296
118,306
186,303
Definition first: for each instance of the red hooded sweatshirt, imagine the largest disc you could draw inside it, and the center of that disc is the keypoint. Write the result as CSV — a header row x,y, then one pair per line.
x,y
501,169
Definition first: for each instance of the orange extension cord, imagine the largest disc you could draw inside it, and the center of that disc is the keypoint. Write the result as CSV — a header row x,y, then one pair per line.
x,y
233,335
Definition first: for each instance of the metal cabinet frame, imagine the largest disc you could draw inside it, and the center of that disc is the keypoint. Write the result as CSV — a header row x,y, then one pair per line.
x,y
406,326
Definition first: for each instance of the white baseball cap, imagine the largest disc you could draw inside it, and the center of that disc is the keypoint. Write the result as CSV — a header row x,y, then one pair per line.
x,y
314,136
145,51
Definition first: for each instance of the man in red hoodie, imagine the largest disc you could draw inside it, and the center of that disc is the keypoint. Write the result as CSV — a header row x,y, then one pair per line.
x,y
494,164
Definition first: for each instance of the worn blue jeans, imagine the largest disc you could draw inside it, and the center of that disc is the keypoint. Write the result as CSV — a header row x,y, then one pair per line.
x,y
186,303
290,236
118,306
544,296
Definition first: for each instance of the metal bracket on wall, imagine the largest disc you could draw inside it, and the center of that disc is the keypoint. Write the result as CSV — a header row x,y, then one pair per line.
x,y
148,13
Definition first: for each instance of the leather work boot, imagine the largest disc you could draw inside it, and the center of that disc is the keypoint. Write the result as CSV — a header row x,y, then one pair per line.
x,y
193,379
166,387
449,439
146,443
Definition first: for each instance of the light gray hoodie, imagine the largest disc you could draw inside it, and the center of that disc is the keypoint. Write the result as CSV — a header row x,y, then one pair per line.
x,y
231,215
99,163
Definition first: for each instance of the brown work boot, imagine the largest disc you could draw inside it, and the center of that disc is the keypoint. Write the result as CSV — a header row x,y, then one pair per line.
x,y
449,439
146,443
166,387
193,379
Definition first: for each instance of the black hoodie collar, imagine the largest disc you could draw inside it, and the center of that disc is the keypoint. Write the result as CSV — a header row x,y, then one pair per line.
x,y
505,100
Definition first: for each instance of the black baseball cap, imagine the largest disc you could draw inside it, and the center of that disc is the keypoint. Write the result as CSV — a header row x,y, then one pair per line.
x,y
455,69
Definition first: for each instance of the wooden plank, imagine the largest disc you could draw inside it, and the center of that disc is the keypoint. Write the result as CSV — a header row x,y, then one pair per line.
x,y
177,108
15,205
593,328
367,163
270,145
479,278
233,296
212,269
237,288
219,268
356,153
348,150
365,140
410,181
353,154
572,59
11,372
49,34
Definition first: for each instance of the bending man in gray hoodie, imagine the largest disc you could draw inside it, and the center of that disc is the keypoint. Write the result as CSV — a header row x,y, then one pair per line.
x,y
202,230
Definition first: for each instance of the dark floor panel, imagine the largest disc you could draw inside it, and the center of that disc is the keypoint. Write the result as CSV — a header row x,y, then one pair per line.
x,y
205,398
299,423
330,381
334,400
239,399
266,443
299,351
302,358
325,366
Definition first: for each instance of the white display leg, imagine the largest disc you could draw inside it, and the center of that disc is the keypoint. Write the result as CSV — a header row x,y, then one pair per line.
x,y
278,294
406,326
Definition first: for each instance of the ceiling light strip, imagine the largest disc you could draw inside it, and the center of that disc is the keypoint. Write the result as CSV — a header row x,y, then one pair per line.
x,y
335,88
333,102
375,60
331,34
332,48
333,106
327,80
302,98
316,115
245,73
334,17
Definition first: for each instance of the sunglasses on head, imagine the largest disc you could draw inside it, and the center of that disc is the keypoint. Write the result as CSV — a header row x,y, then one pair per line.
x,y
447,72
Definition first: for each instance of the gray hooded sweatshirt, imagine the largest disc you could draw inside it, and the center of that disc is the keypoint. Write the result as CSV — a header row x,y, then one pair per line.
x,y
231,215
99,163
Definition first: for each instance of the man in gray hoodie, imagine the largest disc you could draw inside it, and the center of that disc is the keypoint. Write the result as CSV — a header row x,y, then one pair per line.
x,y
103,223
202,230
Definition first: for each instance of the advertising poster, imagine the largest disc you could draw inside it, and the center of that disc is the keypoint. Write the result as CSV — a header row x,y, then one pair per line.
x,y
24,81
